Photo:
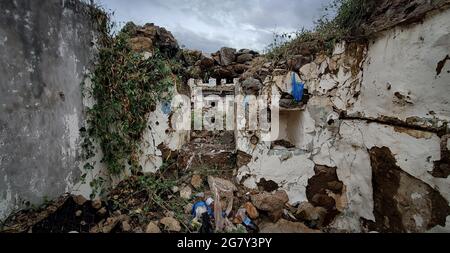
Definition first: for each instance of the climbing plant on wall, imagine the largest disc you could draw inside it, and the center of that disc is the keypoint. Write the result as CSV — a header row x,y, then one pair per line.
x,y
126,86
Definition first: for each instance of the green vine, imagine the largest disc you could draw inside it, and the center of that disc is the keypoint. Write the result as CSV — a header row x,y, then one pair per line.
x,y
126,87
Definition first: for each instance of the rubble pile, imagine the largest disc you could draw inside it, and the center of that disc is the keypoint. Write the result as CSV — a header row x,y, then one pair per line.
x,y
226,64
145,204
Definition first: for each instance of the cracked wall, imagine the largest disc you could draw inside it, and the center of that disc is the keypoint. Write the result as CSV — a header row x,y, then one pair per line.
x,y
386,94
45,50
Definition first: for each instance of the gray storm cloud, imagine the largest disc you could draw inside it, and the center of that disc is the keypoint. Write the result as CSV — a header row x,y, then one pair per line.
x,y
209,25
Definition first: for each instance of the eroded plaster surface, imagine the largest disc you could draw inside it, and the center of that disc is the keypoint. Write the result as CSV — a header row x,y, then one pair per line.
x,y
355,95
45,48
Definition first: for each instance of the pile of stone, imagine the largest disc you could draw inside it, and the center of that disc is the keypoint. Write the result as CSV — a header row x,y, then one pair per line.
x,y
225,64
148,38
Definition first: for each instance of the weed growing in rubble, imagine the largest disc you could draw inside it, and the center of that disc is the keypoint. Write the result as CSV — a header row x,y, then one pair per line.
x,y
159,190
341,20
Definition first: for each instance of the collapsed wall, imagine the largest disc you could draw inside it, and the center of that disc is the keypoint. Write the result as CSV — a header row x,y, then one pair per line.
x,y
45,50
370,145
367,148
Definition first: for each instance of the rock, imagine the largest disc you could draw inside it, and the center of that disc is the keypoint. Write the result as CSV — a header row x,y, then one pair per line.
x,y
102,211
284,226
252,212
243,51
197,181
152,228
216,58
111,223
244,58
309,71
335,186
97,204
270,202
251,86
227,56
320,185
141,44
297,61
79,200
243,158
275,216
221,72
283,143
206,63
78,213
186,193
138,230
323,200
171,224
175,189
307,212
288,103
126,227
162,39
240,68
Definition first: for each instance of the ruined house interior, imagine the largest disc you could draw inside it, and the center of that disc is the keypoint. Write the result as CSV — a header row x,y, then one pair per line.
x,y
91,140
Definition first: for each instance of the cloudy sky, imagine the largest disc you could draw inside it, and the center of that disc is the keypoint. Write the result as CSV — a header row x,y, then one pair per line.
x,y
210,24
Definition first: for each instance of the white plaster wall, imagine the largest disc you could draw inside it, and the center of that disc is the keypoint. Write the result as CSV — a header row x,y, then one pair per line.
x,y
405,59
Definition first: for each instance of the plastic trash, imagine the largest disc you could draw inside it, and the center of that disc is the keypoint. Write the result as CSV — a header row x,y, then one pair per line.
x,y
202,207
223,192
297,89
246,221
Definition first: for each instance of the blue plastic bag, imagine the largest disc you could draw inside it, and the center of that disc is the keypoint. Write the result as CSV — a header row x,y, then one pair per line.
x,y
201,204
297,89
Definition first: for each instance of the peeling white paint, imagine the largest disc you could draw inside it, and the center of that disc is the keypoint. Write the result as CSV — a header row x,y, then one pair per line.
x,y
407,59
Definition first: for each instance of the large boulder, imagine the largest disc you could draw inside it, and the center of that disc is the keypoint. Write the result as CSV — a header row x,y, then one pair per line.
x,y
227,56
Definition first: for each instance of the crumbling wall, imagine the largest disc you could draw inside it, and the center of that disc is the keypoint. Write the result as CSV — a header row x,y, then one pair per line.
x,y
45,51
385,98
